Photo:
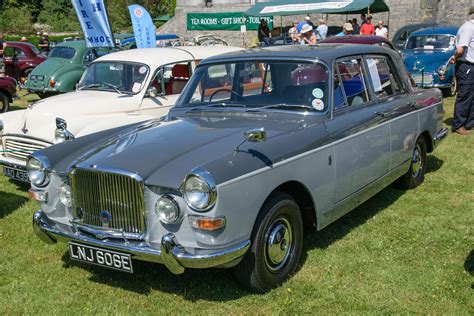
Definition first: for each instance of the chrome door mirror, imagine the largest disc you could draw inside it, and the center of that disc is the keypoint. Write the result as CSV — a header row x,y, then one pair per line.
x,y
255,135
152,92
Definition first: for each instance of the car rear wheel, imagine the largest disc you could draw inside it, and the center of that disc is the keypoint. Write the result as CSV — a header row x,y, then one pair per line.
x,y
277,242
451,91
416,173
4,103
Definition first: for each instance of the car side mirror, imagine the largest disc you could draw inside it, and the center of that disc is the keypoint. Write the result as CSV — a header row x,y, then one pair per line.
x,y
152,92
255,135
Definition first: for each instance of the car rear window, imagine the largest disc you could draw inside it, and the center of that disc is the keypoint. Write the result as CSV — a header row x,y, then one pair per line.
x,y
62,52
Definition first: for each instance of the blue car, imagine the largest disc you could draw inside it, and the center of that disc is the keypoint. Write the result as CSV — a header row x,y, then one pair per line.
x,y
426,54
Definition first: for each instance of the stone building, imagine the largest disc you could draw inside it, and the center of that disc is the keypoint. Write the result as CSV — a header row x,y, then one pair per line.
x,y
402,12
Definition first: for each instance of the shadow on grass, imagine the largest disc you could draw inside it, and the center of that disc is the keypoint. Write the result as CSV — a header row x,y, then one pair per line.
x,y
469,263
20,185
10,202
433,163
192,285
449,121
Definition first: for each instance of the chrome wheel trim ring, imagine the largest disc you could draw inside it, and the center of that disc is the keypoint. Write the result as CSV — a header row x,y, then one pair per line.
x,y
453,87
278,244
416,162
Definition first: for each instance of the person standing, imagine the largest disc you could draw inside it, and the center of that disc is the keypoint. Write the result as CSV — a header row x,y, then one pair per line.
x,y
24,39
44,43
355,26
307,35
367,28
363,19
381,30
347,29
307,20
2,42
293,32
322,28
463,59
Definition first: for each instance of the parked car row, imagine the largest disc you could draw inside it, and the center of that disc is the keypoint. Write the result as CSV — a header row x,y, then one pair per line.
x,y
195,159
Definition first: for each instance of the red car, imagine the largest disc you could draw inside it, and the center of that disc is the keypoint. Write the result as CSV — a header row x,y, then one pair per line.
x,y
360,39
7,92
20,59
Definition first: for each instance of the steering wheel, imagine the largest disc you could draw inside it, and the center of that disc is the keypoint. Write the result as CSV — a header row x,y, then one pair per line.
x,y
227,90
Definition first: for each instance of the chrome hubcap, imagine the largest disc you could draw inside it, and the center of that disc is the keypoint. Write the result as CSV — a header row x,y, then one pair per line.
x,y
416,162
279,243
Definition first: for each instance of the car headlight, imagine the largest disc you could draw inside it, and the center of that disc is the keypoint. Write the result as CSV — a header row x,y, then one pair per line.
x,y
199,190
442,69
167,209
65,195
38,171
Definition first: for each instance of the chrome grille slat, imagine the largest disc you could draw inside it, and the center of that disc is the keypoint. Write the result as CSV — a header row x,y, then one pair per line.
x,y
120,194
20,148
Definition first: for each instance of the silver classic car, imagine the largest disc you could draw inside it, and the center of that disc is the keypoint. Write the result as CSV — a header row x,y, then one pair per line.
x,y
261,145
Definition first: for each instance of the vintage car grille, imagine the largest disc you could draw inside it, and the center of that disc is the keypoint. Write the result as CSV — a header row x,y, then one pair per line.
x,y
120,196
20,148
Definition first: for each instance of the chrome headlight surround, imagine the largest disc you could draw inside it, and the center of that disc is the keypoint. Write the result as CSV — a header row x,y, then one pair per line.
x,y
38,169
167,209
199,190
442,70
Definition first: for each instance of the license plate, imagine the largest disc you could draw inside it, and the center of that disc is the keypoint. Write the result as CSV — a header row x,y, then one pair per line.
x,y
101,257
16,174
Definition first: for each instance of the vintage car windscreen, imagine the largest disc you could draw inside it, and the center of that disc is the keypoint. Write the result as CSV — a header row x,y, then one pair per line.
x,y
292,86
431,42
119,77
62,52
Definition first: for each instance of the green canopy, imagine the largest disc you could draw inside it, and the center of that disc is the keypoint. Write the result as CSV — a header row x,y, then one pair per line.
x,y
283,7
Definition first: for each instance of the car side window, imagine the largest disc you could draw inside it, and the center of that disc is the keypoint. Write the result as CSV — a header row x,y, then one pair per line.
x,y
382,77
19,53
350,87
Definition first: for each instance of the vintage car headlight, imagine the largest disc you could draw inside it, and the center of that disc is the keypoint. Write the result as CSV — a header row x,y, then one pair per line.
x,y
442,69
38,172
199,190
65,195
167,209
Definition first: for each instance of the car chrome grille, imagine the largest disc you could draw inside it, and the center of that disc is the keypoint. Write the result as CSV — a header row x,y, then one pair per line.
x,y
21,147
121,196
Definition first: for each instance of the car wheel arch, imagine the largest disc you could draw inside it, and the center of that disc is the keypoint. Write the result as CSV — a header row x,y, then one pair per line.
x,y
303,198
9,96
428,141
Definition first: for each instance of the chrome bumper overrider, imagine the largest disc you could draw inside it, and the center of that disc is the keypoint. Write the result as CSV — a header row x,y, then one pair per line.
x,y
171,253
440,135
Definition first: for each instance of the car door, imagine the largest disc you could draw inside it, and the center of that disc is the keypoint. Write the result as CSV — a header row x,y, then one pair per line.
x,y
10,59
165,87
395,102
361,140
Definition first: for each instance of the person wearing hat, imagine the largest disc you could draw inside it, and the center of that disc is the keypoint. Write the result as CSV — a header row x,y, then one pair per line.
x,y
307,35
24,39
367,28
307,20
347,29
463,120
44,43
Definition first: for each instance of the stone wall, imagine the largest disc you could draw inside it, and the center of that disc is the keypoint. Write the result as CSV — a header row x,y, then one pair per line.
x,y
402,12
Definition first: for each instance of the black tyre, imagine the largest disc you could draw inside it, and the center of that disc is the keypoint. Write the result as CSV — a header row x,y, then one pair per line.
x,y
416,173
4,103
277,241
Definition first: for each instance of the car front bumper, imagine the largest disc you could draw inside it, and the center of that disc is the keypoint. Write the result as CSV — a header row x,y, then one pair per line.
x,y
171,253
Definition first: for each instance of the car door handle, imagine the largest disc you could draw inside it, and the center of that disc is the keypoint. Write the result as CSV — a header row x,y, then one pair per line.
x,y
381,113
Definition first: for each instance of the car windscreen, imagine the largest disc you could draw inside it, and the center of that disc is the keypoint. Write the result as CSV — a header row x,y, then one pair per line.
x,y
62,52
120,77
300,86
431,42
34,49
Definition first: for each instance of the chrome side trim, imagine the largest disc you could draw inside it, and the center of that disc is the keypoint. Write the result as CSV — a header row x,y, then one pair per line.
x,y
313,151
171,253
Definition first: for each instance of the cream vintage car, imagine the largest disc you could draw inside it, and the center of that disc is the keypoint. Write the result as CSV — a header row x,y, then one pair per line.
x,y
117,89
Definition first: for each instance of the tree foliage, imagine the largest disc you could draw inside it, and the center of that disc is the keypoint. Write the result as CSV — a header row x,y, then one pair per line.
x,y
18,16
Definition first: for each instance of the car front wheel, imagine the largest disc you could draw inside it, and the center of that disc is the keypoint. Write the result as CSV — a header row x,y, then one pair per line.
x,y
4,103
277,242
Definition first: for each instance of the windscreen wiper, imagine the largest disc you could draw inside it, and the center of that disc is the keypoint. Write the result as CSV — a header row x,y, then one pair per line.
x,y
217,105
287,106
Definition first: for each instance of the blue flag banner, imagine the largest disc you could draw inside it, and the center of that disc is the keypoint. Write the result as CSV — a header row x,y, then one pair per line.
x,y
94,22
143,27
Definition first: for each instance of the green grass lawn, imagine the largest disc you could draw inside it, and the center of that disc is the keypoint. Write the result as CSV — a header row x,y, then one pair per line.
x,y
400,252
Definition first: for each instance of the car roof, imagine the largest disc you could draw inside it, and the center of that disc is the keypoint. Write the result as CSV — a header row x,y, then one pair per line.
x,y
155,57
437,30
356,39
73,44
326,52
20,44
